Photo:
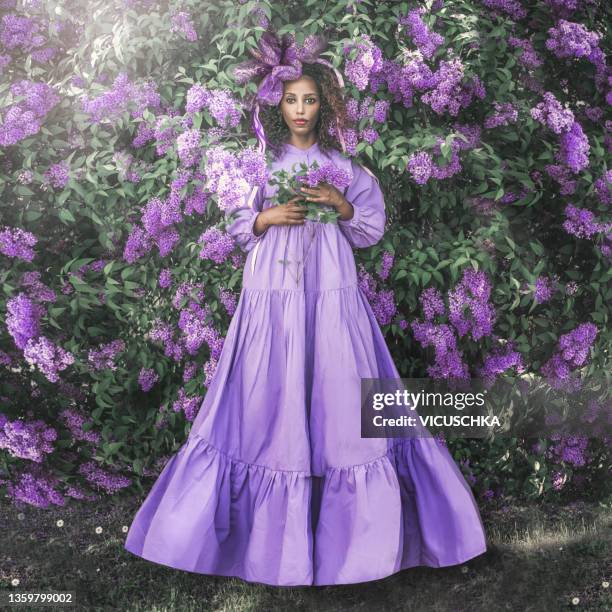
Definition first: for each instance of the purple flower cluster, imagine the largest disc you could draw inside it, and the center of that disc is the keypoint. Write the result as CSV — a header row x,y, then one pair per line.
x,y
570,39
448,92
36,487
552,115
472,293
228,299
506,7
165,278
382,301
505,114
357,111
16,242
209,369
120,98
23,319
189,405
328,173
58,174
101,479
448,358
572,352
574,150
581,222
25,118
498,361
603,188
425,40
182,22
364,59
104,357
544,289
224,109
232,176
529,58
569,449
147,377
74,421
49,357
218,245
27,440
385,265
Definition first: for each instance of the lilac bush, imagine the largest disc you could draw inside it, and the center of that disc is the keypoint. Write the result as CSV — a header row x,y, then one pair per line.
x,y
118,161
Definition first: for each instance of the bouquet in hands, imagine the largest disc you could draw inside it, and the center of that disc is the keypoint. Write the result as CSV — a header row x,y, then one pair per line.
x,y
289,185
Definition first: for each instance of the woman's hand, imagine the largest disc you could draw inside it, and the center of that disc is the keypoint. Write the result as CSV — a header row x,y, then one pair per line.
x,y
324,193
290,213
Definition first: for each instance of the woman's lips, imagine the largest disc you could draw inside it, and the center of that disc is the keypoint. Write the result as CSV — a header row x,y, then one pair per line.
x,y
300,121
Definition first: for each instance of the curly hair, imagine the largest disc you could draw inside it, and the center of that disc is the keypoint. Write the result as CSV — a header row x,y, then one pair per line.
x,y
332,106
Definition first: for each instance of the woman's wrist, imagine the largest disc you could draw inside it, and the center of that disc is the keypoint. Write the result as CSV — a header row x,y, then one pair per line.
x,y
345,210
260,225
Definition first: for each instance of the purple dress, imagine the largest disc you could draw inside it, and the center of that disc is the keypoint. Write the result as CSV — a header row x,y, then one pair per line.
x,y
274,483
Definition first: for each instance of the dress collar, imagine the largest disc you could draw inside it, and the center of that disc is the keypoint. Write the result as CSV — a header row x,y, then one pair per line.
x,y
292,148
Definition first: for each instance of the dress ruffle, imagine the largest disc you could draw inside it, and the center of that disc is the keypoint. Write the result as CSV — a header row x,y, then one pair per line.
x,y
210,513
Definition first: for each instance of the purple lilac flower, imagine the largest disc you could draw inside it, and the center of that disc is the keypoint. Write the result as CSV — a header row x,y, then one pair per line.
x,y
228,299
189,405
498,361
420,166
572,352
147,377
551,114
165,278
362,63
101,479
23,319
544,289
49,357
603,187
472,292
27,440
36,487
182,22
209,371
529,57
58,174
432,303
386,265
104,357
218,245
16,242
580,222
574,151
506,7
25,118
425,40
570,39
570,449
505,114
74,420
329,173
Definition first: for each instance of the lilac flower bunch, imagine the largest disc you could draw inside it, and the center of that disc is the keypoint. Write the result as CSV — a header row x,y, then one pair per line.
x,y
448,92
49,357
363,58
189,405
147,377
122,96
16,242
25,118
289,183
382,301
426,41
472,294
217,245
36,486
101,479
74,420
182,22
581,222
363,110
571,353
232,177
498,361
222,106
30,440
104,357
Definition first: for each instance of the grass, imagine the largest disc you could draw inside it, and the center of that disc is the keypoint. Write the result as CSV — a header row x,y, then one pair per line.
x,y
540,557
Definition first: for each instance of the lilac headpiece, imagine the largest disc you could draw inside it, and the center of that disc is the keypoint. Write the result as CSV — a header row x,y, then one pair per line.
x,y
281,60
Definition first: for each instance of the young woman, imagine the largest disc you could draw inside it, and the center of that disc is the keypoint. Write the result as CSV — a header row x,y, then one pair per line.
x,y
275,483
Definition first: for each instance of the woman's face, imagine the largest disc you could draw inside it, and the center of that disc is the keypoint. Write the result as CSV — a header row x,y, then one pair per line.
x,y
300,101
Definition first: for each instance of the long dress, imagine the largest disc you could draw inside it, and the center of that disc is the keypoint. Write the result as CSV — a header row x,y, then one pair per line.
x,y
274,483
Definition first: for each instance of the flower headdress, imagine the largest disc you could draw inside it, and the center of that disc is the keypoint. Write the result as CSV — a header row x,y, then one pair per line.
x,y
281,60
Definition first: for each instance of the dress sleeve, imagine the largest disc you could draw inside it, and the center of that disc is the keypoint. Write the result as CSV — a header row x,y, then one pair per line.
x,y
367,225
240,221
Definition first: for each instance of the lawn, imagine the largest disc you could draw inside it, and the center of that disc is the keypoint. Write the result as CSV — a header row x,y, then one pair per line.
x,y
540,558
